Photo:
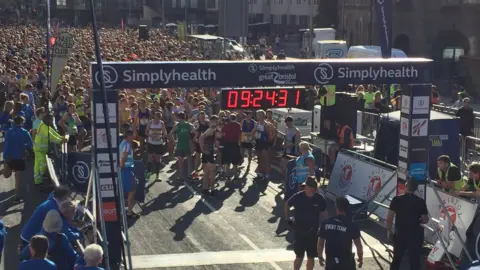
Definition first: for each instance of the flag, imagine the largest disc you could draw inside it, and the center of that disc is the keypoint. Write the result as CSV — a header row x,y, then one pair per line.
x,y
121,24
384,18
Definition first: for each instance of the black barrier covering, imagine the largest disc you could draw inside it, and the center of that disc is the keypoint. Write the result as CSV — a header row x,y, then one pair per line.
x,y
291,186
139,171
265,73
78,170
414,143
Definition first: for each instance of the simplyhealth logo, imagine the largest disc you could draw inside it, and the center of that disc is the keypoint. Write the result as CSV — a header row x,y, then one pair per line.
x,y
324,73
112,76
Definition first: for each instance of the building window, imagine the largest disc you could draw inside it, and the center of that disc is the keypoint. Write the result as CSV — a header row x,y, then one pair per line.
x,y
61,3
299,2
211,4
297,20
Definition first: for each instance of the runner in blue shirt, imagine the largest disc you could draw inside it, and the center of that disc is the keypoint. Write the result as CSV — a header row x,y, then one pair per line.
x,y
129,181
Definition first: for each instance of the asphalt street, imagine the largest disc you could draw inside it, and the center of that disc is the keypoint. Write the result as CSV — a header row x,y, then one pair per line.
x,y
241,228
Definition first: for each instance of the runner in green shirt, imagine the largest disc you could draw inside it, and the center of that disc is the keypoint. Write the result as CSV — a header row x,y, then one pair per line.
x,y
182,130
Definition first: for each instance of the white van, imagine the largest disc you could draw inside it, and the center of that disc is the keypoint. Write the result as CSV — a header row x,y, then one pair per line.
x,y
318,35
372,52
331,49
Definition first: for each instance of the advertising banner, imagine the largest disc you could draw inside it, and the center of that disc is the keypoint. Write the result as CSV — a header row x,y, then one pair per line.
x,y
462,213
102,159
266,73
383,10
362,180
61,50
414,143
78,170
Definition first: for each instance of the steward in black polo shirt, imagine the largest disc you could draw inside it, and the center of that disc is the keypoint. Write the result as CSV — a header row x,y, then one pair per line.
x,y
309,206
336,235
409,211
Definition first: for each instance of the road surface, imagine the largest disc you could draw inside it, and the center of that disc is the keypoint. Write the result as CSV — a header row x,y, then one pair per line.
x,y
242,228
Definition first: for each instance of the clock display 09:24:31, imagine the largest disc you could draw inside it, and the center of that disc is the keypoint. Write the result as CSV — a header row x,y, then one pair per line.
x,y
262,98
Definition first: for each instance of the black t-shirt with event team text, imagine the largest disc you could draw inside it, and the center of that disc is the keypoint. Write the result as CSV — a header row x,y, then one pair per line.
x,y
307,209
408,209
339,233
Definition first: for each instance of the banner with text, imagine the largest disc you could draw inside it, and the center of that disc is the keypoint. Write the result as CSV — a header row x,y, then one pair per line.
x,y
61,51
265,73
383,10
414,143
462,213
361,179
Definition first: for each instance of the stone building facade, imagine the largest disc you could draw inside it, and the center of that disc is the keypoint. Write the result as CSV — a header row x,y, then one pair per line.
x,y
444,30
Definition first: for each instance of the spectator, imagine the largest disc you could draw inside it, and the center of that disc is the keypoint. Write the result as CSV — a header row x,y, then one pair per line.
x,y
409,211
3,235
34,223
472,187
67,212
448,174
17,141
38,249
60,251
467,118
92,255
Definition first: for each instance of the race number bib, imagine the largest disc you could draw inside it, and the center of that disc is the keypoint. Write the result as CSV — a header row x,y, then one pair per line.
x,y
143,121
246,137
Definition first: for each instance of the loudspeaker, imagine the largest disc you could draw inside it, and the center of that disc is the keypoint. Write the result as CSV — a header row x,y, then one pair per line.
x,y
346,110
143,32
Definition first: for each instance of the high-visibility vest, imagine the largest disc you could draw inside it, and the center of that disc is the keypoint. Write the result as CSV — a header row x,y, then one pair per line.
x,y
369,97
444,176
392,90
329,98
44,136
341,136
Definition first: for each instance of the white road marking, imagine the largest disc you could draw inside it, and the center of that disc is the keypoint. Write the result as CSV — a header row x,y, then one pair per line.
x,y
226,257
252,245
205,202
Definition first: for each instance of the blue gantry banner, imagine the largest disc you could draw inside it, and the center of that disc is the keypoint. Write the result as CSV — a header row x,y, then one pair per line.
x,y
265,73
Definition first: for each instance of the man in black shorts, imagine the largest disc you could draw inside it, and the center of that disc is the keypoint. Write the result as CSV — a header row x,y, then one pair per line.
x,y
310,208
231,148
17,140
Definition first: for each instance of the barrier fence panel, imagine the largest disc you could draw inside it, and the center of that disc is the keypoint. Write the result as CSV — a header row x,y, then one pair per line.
x,y
471,152
367,123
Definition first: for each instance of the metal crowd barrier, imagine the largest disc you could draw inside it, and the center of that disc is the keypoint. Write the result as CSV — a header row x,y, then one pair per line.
x,y
452,111
367,124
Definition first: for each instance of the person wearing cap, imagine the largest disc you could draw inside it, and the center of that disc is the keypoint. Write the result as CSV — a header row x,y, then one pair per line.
x,y
17,141
409,211
336,235
60,251
39,250
310,208
304,164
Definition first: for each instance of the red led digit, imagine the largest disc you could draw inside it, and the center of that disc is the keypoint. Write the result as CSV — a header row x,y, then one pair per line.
x,y
270,95
282,98
245,97
232,100
297,99
257,97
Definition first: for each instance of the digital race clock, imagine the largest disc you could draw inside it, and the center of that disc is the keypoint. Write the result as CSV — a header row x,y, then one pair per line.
x,y
262,98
